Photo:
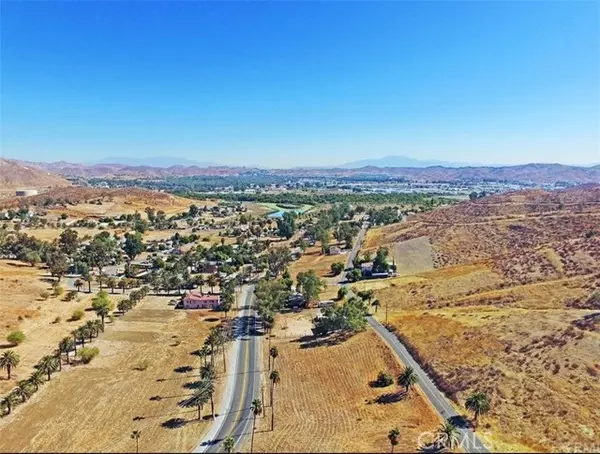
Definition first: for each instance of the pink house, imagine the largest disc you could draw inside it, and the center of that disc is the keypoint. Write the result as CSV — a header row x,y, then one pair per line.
x,y
198,301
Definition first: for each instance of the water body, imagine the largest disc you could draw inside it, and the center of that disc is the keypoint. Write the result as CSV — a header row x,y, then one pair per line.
x,y
278,210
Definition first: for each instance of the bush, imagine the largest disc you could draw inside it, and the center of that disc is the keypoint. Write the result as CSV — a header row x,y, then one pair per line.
x,y
87,354
142,365
77,315
337,268
384,379
44,295
16,337
57,320
58,290
70,295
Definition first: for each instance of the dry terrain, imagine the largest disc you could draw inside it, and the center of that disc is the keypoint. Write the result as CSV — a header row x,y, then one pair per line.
x,y
511,309
18,175
312,259
94,408
324,402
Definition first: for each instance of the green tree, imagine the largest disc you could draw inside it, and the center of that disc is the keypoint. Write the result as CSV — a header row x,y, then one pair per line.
x,y
36,379
394,437
134,245
58,264
408,378
278,258
68,242
337,268
286,224
8,402
102,305
229,444
111,283
65,346
23,390
448,435
212,281
9,360
354,275
478,403
273,353
15,337
47,365
78,284
310,285
257,409
275,379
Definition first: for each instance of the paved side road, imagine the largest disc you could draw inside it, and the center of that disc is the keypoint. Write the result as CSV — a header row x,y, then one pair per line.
x,y
243,383
470,442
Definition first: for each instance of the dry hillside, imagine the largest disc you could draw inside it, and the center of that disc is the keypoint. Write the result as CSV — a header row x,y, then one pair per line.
x,y
511,306
15,175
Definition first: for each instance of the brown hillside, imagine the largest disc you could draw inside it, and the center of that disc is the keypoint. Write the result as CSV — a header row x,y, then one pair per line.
x,y
102,202
15,175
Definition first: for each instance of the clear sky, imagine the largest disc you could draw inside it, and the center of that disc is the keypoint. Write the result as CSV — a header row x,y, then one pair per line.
x,y
307,83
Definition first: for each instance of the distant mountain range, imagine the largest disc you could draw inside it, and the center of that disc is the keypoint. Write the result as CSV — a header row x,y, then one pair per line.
x,y
402,161
159,161
527,173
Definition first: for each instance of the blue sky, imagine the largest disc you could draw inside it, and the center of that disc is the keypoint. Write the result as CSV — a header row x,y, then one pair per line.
x,y
307,83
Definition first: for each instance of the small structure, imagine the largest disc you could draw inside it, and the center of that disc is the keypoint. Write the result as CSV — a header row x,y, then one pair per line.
x,y
26,192
335,250
296,300
195,300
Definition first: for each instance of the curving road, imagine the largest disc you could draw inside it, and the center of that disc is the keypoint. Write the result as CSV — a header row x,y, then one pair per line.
x,y
243,382
470,442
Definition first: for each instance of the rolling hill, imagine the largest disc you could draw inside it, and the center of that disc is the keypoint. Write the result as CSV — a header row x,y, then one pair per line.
x,y
17,175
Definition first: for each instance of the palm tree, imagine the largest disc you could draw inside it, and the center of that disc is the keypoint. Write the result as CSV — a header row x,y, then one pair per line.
x,y
88,278
394,437
9,360
211,282
376,304
208,387
76,336
408,378
135,435
478,403
65,346
200,282
198,399
256,410
36,379
92,328
78,284
275,379
122,284
99,326
8,401
47,365
229,443
102,312
448,435
23,390
273,353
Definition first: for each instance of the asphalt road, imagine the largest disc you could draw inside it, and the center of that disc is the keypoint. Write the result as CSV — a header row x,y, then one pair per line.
x,y
246,382
470,442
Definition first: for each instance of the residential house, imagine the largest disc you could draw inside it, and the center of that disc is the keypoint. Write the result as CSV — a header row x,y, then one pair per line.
x,y
193,300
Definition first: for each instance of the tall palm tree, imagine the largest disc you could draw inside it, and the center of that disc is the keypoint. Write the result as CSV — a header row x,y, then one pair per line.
x,y
198,399
478,403
102,312
23,390
8,401
376,304
111,283
92,328
408,378
78,284
47,365
9,360
200,282
275,379
135,435
273,353
229,443
36,379
256,411
208,387
211,282
448,435
394,437
76,336
65,346
99,326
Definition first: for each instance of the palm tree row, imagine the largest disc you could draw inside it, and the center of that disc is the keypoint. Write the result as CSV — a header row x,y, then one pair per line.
x,y
53,363
111,282
134,297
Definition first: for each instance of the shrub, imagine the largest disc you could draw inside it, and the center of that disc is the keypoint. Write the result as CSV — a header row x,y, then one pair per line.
x,y
384,379
58,290
142,365
77,315
87,354
56,320
71,295
44,295
15,338
337,268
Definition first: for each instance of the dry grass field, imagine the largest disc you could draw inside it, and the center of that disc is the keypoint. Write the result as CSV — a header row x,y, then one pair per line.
x,y
94,408
312,259
22,308
509,309
324,402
